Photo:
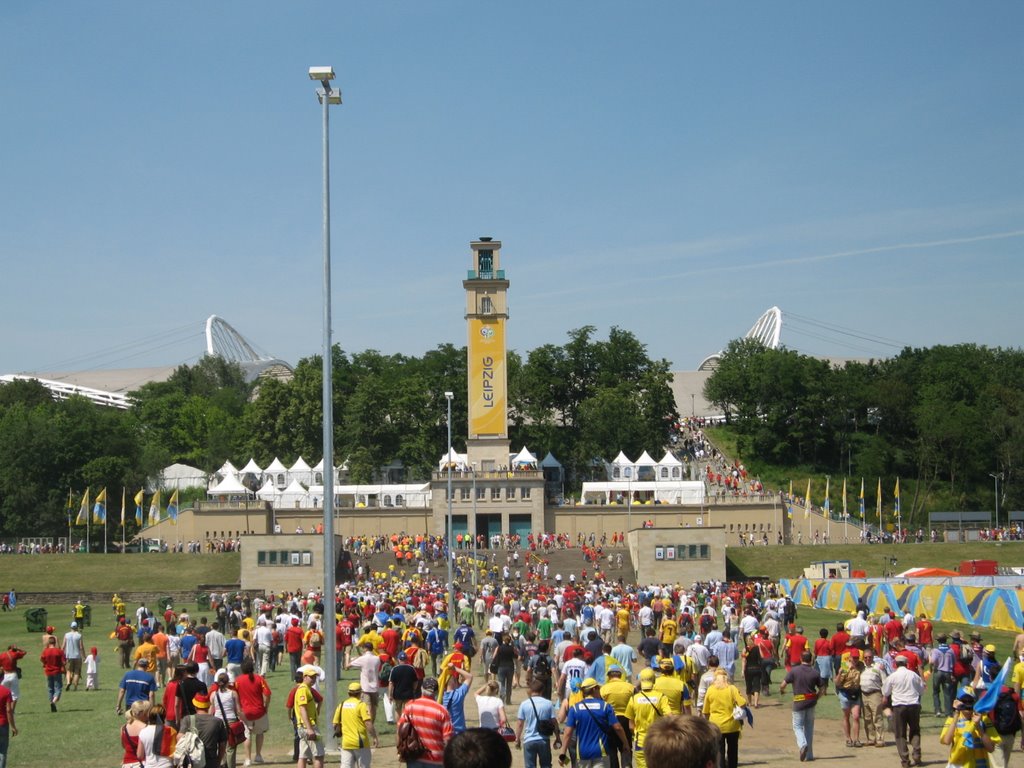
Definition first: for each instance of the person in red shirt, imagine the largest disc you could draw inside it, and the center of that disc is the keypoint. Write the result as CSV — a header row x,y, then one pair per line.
x,y
391,639
7,726
9,665
254,696
795,645
54,665
893,631
839,641
924,632
293,637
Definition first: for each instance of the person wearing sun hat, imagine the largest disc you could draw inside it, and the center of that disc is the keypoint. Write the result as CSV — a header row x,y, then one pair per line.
x,y
970,735
213,731
354,727
305,708
593,722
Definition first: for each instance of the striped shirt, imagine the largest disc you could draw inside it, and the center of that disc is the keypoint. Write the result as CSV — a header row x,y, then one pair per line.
x,y
433,726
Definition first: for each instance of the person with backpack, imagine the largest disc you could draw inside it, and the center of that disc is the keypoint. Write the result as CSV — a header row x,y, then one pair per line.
x,y
1007,721
535,725
157,741
437,645
942,660
212,731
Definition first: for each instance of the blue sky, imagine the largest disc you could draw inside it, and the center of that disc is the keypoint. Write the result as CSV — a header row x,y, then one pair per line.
x,y
670,168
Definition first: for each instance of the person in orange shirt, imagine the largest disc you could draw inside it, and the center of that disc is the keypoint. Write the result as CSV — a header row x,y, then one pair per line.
x,y
147,651
160,641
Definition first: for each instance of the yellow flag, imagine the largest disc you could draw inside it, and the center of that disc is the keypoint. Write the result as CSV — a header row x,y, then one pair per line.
x,y
879,502
154,509
807,500
124,499
99,508
83,510
138,507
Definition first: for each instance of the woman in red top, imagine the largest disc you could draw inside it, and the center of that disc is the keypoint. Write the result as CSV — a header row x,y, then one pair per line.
x,y
200,654
138,718
254,697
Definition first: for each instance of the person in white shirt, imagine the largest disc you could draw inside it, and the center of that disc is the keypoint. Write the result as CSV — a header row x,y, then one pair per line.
x,y
901,692
263,638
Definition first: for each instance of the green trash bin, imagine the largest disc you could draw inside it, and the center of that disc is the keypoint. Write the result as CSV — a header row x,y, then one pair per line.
x,y
87,615
36,619
202,601
163,602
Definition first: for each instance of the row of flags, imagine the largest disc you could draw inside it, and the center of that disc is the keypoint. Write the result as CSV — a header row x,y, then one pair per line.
x,y
827,506
98,508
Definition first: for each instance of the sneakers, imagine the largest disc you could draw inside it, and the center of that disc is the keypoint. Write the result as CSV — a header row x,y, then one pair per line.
x,y
258,759
53,707
803,753
247,763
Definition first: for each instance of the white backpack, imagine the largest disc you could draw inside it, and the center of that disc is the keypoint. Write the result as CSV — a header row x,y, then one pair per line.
x,y
189,752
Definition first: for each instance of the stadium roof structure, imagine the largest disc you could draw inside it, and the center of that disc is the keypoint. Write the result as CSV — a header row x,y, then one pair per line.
x,y
111,387
767,329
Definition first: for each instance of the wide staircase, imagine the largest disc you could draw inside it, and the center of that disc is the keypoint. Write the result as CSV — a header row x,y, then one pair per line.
x,y
566,562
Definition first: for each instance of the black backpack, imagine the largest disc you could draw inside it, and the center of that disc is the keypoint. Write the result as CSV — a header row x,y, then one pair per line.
x,y
542,666
1005,715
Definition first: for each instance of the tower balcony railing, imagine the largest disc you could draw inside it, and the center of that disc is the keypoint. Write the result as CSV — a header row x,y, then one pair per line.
x,y
490,474
493,274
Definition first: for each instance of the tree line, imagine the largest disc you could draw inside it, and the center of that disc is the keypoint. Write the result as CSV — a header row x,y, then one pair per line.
x,y
945,418
582,400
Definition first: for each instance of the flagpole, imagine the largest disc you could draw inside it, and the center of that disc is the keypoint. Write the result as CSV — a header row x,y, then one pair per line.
x,y
68,548
104,520
88,529
177,528
124,498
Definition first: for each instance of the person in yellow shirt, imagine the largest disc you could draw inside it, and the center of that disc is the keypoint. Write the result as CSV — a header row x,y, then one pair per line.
x,y
669,629
617,692
148,651
721,699
353,725
672,688
370,636
622,622
644,708
306,709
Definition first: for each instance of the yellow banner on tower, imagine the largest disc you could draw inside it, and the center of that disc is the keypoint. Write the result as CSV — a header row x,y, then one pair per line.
x,y
488,388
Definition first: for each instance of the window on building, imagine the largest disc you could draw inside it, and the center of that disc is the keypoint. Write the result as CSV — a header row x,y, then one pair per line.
x,y
495,494
387,499
675,473
510,494
280,480
318,478
464,494
399,500
481,493
664,473
524,493
486,305
274,557
616,473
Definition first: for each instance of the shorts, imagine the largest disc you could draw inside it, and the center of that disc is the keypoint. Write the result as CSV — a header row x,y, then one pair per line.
x,y
310,748
257,726
12,683
849,699
74,666
370,699
355,758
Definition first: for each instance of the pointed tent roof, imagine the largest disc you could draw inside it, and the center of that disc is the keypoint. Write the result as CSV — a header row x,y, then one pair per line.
x,y
227,469
622,460
276,466
550,461
669,460
645,460
300,465
453,458
252,468
268,492
524,457
319,466
295,487
229,485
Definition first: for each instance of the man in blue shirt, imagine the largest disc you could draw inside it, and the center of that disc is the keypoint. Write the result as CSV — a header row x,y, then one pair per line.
x,y
592,720
136,685
437,644
533,711
454,698
465,635
234,652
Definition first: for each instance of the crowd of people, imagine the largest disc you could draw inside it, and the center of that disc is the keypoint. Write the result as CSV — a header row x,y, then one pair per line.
x,y
603,665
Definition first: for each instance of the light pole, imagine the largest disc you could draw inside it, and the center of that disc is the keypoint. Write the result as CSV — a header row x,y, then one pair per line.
x,y
475,574
328,96
997,476
451,588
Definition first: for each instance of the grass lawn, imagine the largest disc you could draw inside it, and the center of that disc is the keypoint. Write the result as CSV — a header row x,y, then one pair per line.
x,y
117,572
86,728
875,559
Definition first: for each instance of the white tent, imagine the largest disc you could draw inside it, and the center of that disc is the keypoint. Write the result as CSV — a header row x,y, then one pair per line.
x,y
268,492
678,492
181,476
229,486
227,470
294,496
524,459
301,471
620,468
457,460
276,471
669,468
252,468
645,468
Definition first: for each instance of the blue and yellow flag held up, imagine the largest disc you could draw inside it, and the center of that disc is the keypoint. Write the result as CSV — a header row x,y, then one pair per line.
x,y
138,507
154,509
860,499
172,507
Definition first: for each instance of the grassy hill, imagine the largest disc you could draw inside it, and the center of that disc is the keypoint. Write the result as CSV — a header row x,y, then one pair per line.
x,y
788,562
116,572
